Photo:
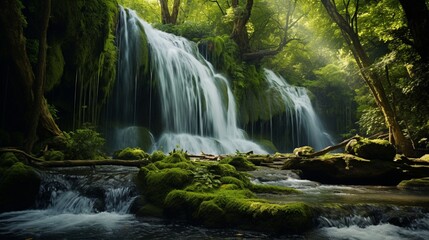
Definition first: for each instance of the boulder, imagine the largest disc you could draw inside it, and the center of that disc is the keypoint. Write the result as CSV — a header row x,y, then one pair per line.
x,y
376,149
19,186
346,169
303,151
418,184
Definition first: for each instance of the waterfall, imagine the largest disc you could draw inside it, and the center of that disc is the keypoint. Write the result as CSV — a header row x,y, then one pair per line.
x,y
301,124
197,107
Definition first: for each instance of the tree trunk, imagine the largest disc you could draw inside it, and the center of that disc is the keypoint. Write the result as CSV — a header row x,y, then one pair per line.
x,y
239,30
166,17
39,81
372,79
417,15
12,21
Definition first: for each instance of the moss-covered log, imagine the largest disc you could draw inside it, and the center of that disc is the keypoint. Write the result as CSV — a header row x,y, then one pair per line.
x,y
82,163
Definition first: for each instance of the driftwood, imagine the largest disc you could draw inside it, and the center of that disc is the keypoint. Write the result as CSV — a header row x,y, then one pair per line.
x,y
80,163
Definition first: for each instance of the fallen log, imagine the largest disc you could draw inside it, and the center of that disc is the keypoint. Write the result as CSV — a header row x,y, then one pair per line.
x,y
331,148
81,163
14,150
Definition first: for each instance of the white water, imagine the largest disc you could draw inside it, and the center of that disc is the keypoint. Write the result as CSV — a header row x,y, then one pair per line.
x,y
302,123
197,104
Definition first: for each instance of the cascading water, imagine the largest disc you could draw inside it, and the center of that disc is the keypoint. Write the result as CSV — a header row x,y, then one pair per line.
x,y
301,124
78,203
197,106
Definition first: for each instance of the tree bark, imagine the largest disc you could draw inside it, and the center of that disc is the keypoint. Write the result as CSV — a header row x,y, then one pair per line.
x,y
372,79
39,81
239,30
417,15
166,17
12,21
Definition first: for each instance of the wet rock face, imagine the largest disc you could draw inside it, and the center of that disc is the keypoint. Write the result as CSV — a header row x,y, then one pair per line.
x,y
377,149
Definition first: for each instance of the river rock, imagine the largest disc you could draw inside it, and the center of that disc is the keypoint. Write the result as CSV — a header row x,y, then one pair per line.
x,y
19,185
373,149
347,169
419,184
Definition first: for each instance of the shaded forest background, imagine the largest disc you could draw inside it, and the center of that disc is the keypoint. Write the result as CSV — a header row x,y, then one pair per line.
x,y
365,63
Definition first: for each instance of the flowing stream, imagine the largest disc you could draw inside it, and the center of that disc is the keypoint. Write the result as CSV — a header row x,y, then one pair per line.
x,y
82,203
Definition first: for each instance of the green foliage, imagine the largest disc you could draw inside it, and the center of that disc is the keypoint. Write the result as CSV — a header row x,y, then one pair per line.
x,y
84,144
131,154
372,121
193,31
53,155
204,180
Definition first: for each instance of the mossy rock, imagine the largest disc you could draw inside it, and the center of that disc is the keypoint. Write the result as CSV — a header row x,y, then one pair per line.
x,y
303,151
211,215
150,210
176,157
157,156
240,163
53,155
7,160
19,187
155,185
376,149
418,184
232,180
131,154
184,204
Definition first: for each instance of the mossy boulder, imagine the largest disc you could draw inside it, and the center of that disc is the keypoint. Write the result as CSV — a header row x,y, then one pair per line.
x,y
376,149
155,185
19,186
131,154
240,163
157,156
347,169
419,184
7,160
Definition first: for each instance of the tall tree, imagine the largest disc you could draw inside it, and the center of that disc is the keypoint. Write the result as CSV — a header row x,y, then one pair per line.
x,y
239,30
166,16
348,24
417,15
12,22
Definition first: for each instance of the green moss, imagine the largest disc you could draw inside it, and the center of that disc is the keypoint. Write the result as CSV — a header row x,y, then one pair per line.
x,y
19,187
157,156
150,210
176,157
131,154
7,160
183,165
232,180
240,163
179,203
263,188
210,214
55,61
157,184
419,184
53,155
